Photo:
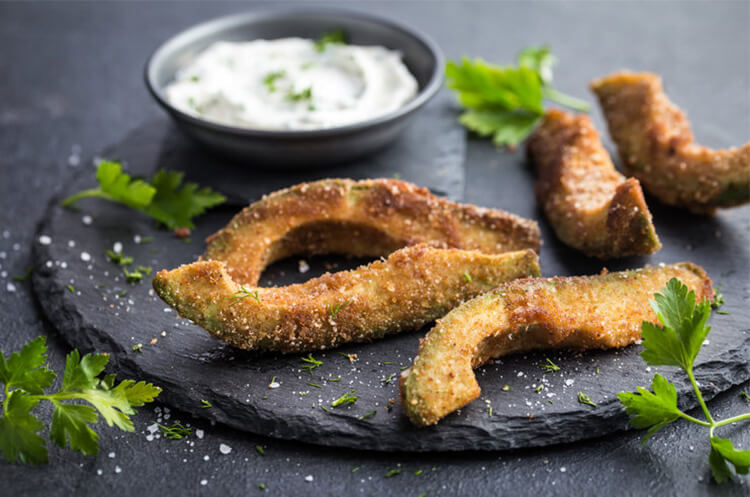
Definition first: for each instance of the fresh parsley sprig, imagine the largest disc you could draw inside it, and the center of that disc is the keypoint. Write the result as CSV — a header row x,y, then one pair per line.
x,y
507,102
25,377
335,37
676,343
165,198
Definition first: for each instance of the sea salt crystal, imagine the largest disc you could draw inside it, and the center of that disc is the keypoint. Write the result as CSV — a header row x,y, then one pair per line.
x,y
199,434
206,457
152,428
71,243
85,256
117,247
99,472
45,240
87,220
563,469
137,238
274,384
309,478
225,449
569,382
303,266
204,482
118,469
10,287
111,455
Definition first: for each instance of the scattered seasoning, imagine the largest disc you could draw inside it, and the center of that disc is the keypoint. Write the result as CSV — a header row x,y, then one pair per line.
x,y
274,383
386,363
305,94
368,414
121,293
335,309
389,405
71,289
539,388
119,258
355,469
585,399
507,388
205,404
467,277
347,398
597,370
146,239
550,366
25,276
260,450
262,486
393,472
351,357
244,293
138,347
153,341
434,469
489,410
334,379
418,472
389,378
745,396
132,276
338,36
175,432
312,363
324,408
313,385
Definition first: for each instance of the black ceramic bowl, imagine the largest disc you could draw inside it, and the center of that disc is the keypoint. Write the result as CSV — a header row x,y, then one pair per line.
x,y
298,149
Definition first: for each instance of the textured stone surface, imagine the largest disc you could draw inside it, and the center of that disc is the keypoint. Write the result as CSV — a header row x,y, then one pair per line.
x,y
192,366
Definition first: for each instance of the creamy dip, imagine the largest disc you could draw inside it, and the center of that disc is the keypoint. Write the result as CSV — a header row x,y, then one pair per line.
x,y
292,84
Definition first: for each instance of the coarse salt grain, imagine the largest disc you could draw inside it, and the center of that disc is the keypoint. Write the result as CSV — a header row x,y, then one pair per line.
x,y
111,455
309,478
45,240
118,469
204,482
10,287
85,256
87,220
199,434
117,247
303,266
225,449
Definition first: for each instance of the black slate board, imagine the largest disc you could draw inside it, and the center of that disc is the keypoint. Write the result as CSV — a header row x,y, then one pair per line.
x,y
190,365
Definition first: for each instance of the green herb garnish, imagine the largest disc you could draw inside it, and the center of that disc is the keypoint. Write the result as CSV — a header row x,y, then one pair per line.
x,y
550,367
165,198
335,37
334,309
676,343
418,472
270,80
25,377
175,432
25,276
260,450
71,289
305,94
368,414
205,404
585,399
137,347
347,398
312,363
506,102
467,277
244,293
119,258
393,472
745,396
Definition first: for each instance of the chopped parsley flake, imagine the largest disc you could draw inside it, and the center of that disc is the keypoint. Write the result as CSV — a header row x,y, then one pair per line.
x,y
585,399
550,367
260,450
347,398
393,472
175,432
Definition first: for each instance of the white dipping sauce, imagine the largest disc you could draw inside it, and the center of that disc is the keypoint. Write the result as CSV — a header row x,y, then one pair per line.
x,y
290,84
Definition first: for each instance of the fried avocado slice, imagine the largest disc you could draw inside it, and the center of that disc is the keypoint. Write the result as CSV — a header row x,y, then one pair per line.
x,y
414,286
591,206
656,146
362,218
583,312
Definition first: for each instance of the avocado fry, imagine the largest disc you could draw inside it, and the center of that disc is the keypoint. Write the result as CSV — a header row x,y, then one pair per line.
x,y
591,206
362,218
583,312
412,287
656,146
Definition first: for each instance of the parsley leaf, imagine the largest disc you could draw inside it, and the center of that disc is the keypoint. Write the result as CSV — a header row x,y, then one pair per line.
x,y
25,379
723,452
25,369
677,343
506,102
165,199
651,410
684,327
337,36
19,438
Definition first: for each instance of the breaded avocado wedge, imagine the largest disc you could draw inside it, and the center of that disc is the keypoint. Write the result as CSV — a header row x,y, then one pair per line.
x,y
584,312
412,287
656,146
592,207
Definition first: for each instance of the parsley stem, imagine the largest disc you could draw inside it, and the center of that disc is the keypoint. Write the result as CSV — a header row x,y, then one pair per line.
x,y
702,402
694,420
92,192
731,420
566,100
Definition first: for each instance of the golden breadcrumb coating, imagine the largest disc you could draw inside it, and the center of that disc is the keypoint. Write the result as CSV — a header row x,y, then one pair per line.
x,y
591,206
412,287
583,312
656,146
362,218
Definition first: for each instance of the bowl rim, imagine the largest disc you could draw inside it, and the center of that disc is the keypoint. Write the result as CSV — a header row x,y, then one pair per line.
x,y
223,23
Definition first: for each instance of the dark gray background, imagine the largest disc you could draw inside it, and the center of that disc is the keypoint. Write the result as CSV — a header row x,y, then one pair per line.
x,y
71,76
